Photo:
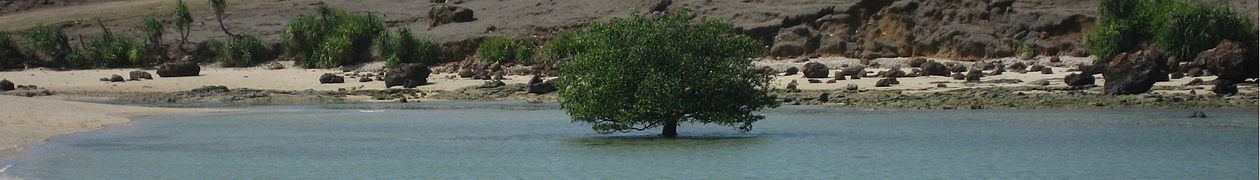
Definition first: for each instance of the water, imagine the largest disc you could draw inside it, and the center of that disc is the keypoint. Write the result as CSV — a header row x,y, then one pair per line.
x,y
523,141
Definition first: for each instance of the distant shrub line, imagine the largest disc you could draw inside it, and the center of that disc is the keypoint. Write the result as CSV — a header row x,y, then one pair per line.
x,y
1178,27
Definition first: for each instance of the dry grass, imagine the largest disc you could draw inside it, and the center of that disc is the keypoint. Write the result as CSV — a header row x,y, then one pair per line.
x,y
87,12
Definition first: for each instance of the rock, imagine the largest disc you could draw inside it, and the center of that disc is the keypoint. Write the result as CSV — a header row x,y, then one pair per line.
x,y
1225,87
1177,75
917,62
957,68
855,77
893,73
839,75
941,85
1092,69
851,87
1229,60
538,86
329,78
492,84
794,41
1036,68
1040,82
1055,59
210,89
116,78
1133,73
997,71
137,75
815,70
1027,56
832,81
1016,67
365,79
105,79
661,5
813,81
959,76
1195,72
1047,70
791,71
446,14
274,65
763,70
407,75
1078,79
933,68
886,82
179,69
1195,82
853,70
824,97
974,76
1198,114
6,85
791,87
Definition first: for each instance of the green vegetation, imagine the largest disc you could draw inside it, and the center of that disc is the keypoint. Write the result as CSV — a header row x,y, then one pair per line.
x,y
505,49
153,30
107,50
50,46
564,45
406,48
331,38
220,9
183,21
239,52
1178,27
10,53
640,73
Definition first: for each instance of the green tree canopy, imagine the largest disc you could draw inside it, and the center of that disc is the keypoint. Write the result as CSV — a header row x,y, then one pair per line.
x,y
641,73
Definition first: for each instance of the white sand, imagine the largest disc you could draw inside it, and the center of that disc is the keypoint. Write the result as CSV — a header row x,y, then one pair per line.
x,y
25,120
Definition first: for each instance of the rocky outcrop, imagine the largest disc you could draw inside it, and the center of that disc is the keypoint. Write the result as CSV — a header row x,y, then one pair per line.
x,y
6,85
815,70
1078,79
934,68
329,78
179,69
138,75
1229,60
407,76
1134,72
538,86
795,41
446,14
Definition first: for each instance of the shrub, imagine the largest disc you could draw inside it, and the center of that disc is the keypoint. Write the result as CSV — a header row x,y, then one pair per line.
x,y
505,49
10,53
183,21
406,48
331,38
561,46
107,50
239,52
50,46
153,30
1201,27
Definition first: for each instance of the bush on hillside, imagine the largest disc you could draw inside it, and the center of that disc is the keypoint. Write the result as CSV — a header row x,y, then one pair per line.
x,y
50,46
331,38
1201,27
10,53
406,48
153,30
107,50
1178,27
239,52
561,46
505,49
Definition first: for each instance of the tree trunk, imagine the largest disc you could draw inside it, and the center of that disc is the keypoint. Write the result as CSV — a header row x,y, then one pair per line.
x,y
670,130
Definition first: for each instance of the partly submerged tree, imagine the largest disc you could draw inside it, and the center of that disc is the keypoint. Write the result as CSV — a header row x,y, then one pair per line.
x,y
641,73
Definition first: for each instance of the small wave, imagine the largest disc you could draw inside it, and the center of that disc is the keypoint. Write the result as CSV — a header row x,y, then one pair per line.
x,y
371,111
5,176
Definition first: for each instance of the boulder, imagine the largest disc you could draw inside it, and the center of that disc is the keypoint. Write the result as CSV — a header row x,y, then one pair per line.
x,y
1042,82
137,75
917,62
105,79
1195,82
1229,60
997,71
1225,87
886,82
813,81
446,14
329,78
179,69
853,71
839,75
851,87
116,78
933,68
1134,72
6,85
1198,114
1047,70
957,68
791,71
407,75
855,77
1091,69
814,70
538,86
974,76
893,73
795,41
1017,67
824,97
959,76
1078,79
1035,68
791,87
365,79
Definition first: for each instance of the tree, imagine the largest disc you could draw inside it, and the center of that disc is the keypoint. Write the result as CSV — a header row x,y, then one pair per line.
x,y
183,21
640,73
219,13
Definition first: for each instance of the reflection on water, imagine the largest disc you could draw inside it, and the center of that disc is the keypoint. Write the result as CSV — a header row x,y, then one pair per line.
x,y
538,141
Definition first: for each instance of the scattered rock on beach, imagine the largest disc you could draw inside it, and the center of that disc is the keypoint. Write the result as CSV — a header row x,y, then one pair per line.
x,y
839,75
446,14
933,68
851,87
791,71
179,69
959,76
815,70
917,62
974,76
137,75
6,85
1195,82
791,87
1225,87
407,75
853,70
955,67
329,78
886,82
116,78
106,79
1042,82
365,79
1078,79
1134,72
1047,70
538,86
1016,67
1198,114
1229,60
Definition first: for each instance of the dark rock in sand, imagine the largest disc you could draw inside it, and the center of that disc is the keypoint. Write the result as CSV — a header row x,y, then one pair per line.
x,y
959,76
851,87
795,41
1035,68
407,75
791,71
997,71
831,81
1134,72
446,14
1055,59
1047,70
933,68
917,62
893,73
1198,114
329,78
1229,60
813,81
365,79
886,82
116,78
179,69
941,85
839,75
6,85
105,79
824,97
855,77
137,75
1040,82
1195,72
1225,87
1078,79
815,70
1092,69
538,86
974,76
791,87
955,67
853,71
1195,82
1016,67
1177,75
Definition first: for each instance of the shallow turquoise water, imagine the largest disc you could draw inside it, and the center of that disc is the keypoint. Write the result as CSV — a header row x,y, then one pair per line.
x,y
529,141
